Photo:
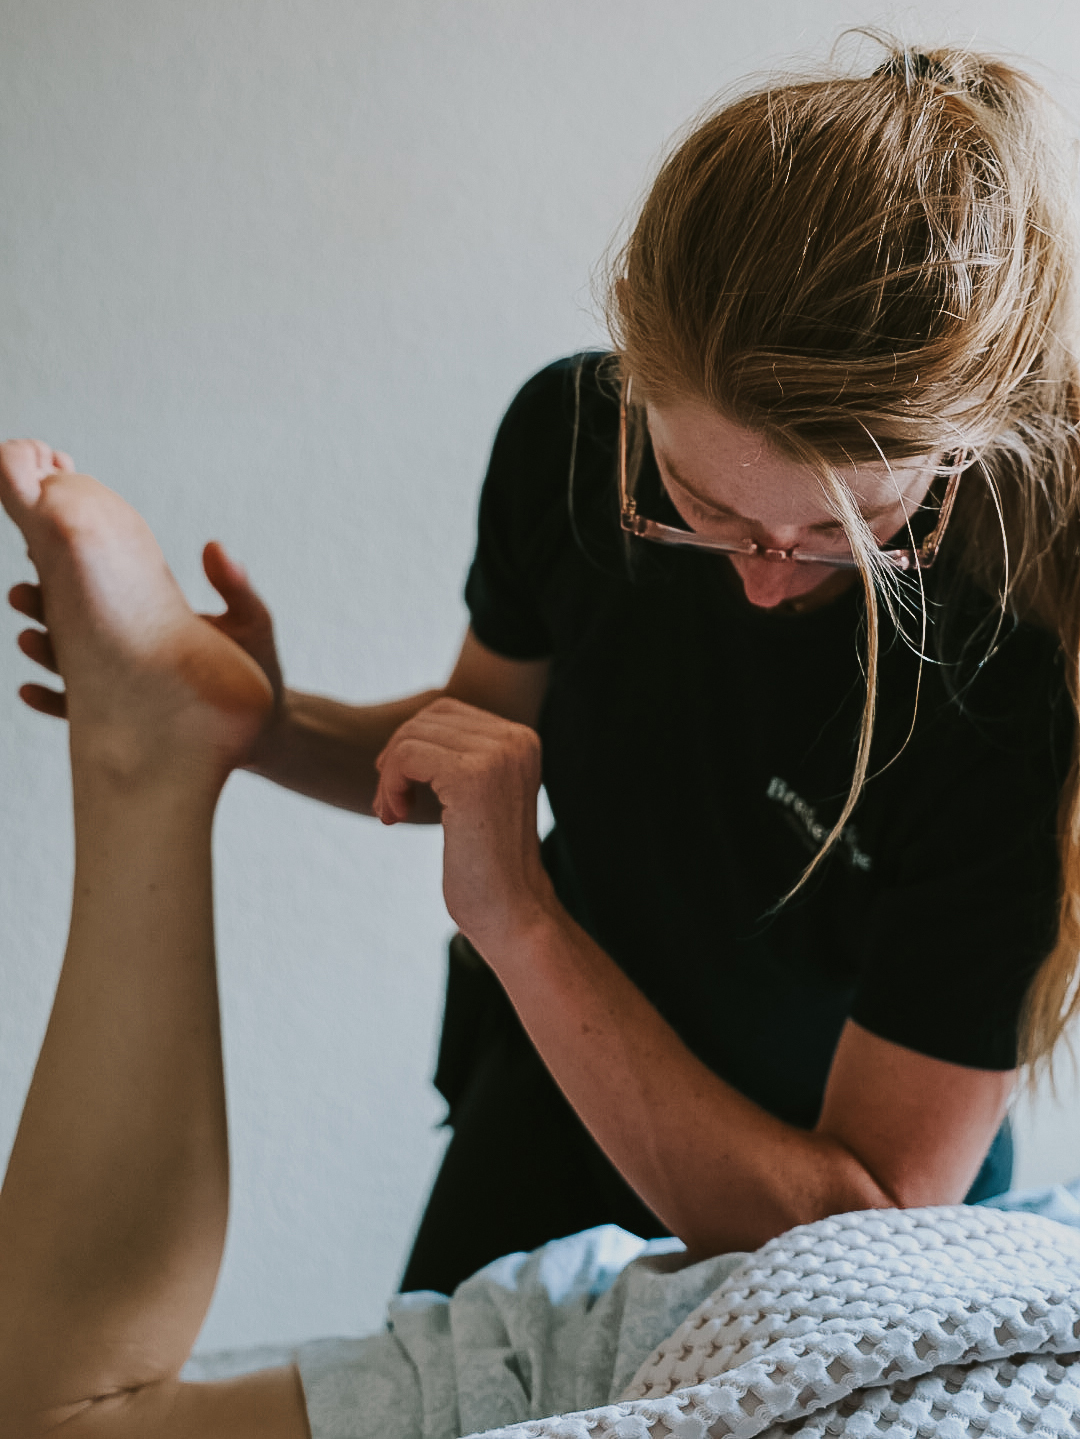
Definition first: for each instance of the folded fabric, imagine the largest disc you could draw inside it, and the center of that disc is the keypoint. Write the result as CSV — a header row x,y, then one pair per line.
x,y
562,1328
1056,1201
954,1321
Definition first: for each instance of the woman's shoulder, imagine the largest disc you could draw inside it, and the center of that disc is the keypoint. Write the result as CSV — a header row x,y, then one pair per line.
x,y
993,701
552,465
548,525
575,397
994,661
968,692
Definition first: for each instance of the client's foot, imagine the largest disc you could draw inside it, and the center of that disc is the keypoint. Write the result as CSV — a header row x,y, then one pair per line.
x,y
151,688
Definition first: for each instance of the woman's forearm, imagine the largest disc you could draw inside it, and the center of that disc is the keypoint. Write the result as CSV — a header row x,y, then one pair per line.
x,y
722,1172
326,749
719,1170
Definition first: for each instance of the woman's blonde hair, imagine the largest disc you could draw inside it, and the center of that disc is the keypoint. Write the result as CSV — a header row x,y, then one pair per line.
x,y
879,267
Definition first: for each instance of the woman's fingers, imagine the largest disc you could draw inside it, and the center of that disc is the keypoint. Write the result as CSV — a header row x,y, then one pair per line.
x,y
459,726
25,598
394,792
407,762
44,700
473,760
230,579
485,772
37,646
246,618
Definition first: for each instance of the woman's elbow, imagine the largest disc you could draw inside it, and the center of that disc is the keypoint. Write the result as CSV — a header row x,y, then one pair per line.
x,y
831,1180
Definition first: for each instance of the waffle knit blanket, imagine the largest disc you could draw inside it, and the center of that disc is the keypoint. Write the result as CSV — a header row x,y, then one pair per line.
x,y
948,1321
953,1322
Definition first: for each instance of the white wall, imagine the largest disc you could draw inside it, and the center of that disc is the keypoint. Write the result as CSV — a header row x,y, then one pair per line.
x,y
272,270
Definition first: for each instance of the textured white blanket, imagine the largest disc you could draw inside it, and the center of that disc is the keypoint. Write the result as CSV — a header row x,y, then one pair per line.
x,y
950,1322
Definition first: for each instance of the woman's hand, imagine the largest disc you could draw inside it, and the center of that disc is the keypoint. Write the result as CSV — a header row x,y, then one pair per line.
x,y
246,619
248,622
485,772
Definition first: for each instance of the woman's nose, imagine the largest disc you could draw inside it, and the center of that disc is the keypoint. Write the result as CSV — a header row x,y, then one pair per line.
x,y
770,582
777,544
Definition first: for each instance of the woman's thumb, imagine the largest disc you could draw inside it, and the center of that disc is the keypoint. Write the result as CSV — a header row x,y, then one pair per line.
x,y
230,579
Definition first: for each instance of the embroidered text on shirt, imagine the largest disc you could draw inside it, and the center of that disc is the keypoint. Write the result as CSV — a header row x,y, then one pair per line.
x,y
809,828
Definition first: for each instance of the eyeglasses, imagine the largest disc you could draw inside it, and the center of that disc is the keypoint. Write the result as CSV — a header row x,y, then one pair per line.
x,y
920,558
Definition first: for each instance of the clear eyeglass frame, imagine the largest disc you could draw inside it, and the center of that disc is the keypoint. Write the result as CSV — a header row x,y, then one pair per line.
x,y
903,559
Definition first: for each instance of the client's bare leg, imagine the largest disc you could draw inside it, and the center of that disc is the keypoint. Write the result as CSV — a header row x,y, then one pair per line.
x,y
113,1211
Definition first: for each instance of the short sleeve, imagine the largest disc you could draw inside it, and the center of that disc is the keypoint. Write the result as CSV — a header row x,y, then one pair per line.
x,y
523,519
955,940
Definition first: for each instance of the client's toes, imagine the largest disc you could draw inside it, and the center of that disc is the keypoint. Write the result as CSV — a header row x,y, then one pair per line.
x,y
23,466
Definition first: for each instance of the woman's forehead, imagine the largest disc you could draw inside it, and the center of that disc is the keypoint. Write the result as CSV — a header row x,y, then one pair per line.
x,y
717,461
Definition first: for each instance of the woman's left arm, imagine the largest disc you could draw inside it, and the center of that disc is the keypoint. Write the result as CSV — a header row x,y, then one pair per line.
x,y
897,1128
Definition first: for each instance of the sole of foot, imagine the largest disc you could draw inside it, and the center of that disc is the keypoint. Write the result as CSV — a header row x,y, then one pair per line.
x,y
151,687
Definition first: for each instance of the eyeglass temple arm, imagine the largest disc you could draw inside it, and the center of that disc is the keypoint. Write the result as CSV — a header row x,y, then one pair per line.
x,y
927,551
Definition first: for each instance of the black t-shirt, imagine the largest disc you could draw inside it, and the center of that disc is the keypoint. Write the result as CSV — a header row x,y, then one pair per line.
x,y
697,750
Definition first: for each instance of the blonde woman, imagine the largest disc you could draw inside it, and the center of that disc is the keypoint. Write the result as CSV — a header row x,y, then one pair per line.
x,y
786,590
